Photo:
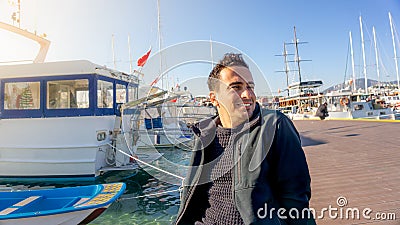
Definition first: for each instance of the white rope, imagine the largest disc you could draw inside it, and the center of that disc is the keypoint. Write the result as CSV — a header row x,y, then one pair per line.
x,y
147,164
159,193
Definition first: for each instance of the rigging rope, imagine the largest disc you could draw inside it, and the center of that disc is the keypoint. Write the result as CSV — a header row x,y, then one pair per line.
x,y
147,164
148,195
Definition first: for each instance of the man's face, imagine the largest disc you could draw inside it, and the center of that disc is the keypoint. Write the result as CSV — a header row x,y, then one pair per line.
x,y
235,98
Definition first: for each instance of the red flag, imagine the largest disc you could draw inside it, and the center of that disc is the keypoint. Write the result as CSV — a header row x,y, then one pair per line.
x,y
142,60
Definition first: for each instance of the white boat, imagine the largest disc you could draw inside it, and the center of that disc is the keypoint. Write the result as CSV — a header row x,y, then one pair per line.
x,y
163,122
60,119
63,119
346,105
58,206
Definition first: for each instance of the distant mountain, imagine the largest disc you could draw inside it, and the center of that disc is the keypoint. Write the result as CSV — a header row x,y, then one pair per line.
x,y
359,84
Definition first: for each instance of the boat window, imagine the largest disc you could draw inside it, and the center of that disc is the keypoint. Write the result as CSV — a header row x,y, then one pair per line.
x,y
121,93
132,93
66,94
104,94
22,95
358,107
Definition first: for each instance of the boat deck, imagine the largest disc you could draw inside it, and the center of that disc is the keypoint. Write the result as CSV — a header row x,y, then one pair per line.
x,y
354,165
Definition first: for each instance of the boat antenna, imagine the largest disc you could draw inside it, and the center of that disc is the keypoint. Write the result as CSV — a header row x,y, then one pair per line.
x,y
130,55
113,51
395,53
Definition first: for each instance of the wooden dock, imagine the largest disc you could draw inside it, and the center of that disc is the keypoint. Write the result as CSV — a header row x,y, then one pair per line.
x,y
354,167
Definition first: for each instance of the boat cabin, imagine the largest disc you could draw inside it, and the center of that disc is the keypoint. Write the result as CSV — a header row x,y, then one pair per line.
x,y
63,89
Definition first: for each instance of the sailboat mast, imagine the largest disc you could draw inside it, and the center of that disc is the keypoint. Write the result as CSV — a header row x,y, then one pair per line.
x,y
395,53
363,54
296,43
286,67
376,58
159,41
352,62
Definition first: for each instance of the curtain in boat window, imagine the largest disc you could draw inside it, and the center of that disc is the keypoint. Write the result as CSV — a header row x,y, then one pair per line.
x,y
22,95
121,93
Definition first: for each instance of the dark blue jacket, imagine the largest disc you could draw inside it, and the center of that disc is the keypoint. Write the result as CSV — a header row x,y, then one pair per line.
x,y
270,171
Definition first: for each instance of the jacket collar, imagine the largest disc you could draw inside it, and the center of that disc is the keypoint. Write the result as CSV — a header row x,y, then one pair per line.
x,y
209,125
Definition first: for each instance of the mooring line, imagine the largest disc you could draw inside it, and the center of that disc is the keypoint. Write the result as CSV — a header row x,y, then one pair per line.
x,y
147,164
148,195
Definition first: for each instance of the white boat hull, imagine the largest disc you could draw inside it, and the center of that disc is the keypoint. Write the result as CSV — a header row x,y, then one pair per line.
x,y
71,218
54,147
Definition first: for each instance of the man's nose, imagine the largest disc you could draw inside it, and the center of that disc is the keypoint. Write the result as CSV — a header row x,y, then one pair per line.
x,y
247,93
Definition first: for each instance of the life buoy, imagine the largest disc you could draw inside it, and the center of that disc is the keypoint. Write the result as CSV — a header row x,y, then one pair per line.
x,y
344,101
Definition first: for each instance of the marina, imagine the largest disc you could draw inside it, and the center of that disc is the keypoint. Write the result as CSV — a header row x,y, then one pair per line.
x,y
354,159
305,97
84,141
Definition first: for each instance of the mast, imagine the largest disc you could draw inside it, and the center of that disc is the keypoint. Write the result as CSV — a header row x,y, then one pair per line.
x,y
287,69
376,58
296,60
363,54
297,57
286,66
159,41
394,50
352,62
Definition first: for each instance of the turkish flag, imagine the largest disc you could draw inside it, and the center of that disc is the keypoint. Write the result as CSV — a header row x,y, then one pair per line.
x,y
142,60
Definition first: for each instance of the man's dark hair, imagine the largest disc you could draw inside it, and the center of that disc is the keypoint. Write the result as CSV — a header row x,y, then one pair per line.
x,y
230,59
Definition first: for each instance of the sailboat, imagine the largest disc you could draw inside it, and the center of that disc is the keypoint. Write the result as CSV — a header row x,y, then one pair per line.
x,y
361,103
303,96
304,99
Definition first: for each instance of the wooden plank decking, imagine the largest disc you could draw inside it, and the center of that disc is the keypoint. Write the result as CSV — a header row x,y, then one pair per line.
x,y
357,160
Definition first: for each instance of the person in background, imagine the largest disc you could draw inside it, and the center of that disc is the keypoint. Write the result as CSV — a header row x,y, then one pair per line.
x,y
247,162
322,111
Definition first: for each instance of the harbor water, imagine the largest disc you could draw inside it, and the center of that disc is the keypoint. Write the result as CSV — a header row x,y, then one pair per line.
x,y
151,197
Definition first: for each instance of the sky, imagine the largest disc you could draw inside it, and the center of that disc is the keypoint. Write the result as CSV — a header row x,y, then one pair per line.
x,y
98,30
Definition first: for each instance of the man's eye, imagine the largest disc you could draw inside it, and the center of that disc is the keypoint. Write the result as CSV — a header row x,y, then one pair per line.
x,y
236,87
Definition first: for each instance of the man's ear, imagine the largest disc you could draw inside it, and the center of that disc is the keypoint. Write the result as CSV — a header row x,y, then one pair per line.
x,y
213,98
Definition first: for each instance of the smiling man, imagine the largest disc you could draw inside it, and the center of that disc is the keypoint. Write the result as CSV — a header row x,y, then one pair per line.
x,y
232,92
248,166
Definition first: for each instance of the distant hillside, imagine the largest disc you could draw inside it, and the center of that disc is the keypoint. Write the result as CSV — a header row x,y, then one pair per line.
x,y
359,84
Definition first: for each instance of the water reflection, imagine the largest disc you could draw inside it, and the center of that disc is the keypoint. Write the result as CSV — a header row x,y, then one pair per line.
x,y
141,203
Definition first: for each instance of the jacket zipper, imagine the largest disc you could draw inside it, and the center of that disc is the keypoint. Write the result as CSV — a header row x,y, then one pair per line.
x,y
239,165
187,199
